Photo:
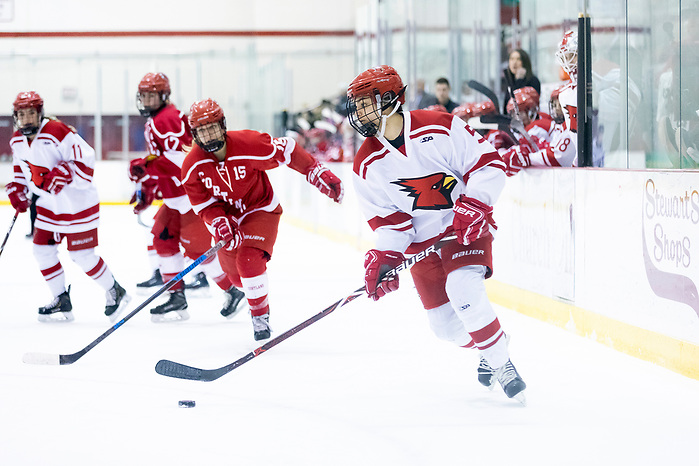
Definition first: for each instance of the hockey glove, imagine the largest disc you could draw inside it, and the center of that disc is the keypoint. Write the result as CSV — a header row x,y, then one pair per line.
x,y
516,158
137,170
326,181
472,220
377,263
225,231
57,178
18,196
145,196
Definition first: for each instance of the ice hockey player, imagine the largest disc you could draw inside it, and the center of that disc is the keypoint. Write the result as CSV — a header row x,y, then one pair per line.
x,y
421,176
53,162
226,181
567,57
167,133
555,147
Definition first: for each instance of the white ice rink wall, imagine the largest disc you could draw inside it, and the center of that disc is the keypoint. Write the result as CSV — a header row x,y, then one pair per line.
x,y
611,255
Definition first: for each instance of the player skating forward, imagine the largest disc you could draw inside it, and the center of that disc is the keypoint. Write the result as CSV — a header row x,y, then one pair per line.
x,y
52,161
421,176
555,143
224,176
167,133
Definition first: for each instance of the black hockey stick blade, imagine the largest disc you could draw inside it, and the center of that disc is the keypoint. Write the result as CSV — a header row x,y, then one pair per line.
x,y
486,91
65,359
180,371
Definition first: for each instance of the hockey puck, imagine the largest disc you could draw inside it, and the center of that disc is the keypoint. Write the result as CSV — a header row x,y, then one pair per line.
x,y
186,404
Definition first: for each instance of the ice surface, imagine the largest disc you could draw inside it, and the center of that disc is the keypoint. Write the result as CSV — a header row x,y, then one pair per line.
x,y
367,385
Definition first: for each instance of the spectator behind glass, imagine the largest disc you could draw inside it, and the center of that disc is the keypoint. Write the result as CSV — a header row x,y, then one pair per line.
x,y
442,90
521,67
421,98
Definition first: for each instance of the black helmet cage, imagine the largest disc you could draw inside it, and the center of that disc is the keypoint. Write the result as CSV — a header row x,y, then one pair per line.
x,y
214,144
373,123
150,111
29,130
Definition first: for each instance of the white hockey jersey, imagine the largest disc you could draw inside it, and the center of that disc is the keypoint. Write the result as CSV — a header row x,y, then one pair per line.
x,y
76,208
407,195
568,98
556,143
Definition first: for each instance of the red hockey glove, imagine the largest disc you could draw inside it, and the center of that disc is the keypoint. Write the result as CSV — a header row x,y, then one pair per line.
x,y
137,169
145,196
500,140
326,181
18,196
57,178
472,220
377,263
516,158
225,231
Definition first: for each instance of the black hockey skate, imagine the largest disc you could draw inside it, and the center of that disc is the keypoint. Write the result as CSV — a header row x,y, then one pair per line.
x,y
198,287
486,374
117,299
173,310
511,382
235,302
261,328
155,280
58,310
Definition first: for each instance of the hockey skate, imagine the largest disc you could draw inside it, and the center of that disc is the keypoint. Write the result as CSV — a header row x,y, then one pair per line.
x,y
235,302
486,374
117,299
58,310
261,328
155,280
198,287
175,309
511,382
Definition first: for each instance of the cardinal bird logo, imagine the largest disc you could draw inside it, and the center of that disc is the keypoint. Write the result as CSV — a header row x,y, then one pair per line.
x,y
38,173
431,192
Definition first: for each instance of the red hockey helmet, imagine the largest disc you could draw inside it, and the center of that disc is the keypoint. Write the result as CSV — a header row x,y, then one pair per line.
x,y
527,100
555,109
464,111
28,99
156,83
437,108
208,125
378,89
567,53
484,108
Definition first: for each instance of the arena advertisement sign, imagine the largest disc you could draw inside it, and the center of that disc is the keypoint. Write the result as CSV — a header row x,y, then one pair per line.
x,y
670,227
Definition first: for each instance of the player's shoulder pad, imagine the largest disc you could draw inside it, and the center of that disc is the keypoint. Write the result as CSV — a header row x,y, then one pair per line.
x,y
57,129
369,147
420,118
249,142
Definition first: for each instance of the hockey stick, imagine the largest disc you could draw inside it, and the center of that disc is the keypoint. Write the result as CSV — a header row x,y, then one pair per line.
x,y
64,359
516,122
180,371
486,91
9,230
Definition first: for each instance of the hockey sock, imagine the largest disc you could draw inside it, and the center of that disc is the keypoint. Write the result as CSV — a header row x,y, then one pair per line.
x,y
47,258
212,268
256,291
466,290
170,266
94,267
447,326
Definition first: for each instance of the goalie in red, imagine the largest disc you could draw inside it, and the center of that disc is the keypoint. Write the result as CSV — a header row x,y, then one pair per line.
x,y
224,177
421,176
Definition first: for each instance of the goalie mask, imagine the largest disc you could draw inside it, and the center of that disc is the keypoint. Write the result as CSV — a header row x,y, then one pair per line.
x,y
28,123
567,53
527,101
370,93
153,93
208,125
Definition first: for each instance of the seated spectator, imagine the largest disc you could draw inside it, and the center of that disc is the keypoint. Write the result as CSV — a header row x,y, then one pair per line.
x,y
520,66
442,90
